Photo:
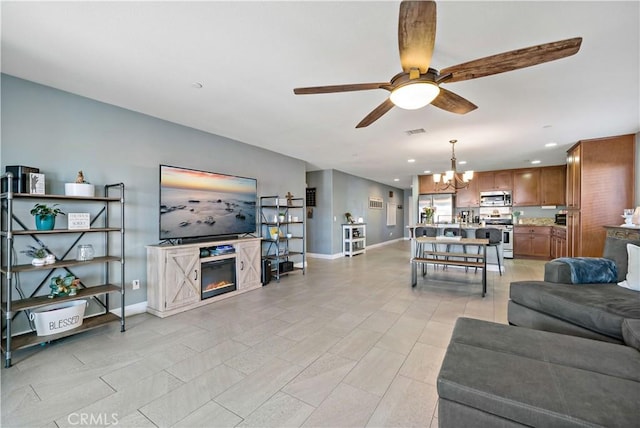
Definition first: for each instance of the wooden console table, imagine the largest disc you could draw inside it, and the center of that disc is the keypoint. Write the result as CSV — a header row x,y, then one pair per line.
x,y
424,257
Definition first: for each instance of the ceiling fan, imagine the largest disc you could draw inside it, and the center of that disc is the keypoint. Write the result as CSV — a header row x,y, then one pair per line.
x,y
418,84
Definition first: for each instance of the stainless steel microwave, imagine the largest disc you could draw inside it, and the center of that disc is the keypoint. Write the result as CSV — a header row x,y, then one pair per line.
x,y
500,198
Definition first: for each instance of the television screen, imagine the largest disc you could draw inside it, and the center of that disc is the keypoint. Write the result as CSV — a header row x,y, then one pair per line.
x,y
197,204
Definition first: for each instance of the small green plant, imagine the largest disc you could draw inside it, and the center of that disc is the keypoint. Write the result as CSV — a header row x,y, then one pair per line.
x,y
44,210
349,217
36,252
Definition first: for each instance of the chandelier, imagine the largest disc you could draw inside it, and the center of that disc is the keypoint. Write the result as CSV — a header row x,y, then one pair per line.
x,y
452,179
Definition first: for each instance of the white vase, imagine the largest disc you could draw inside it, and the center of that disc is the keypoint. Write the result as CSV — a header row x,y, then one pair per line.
x,y
50,259
38,262
79,189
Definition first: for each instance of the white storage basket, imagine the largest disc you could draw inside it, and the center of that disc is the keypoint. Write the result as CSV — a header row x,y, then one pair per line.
x,y
60,317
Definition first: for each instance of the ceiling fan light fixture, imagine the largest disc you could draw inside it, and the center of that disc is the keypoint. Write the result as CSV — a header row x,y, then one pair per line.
x,y
414,95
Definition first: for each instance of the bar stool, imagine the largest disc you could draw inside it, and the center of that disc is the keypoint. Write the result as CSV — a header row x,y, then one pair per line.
x,y
456,231
495,238
429,232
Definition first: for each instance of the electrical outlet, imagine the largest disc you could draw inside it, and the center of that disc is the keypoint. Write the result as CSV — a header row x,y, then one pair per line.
x,y
135,284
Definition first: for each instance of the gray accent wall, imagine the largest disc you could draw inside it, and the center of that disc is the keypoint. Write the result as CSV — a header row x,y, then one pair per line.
x,y
61,133
337,193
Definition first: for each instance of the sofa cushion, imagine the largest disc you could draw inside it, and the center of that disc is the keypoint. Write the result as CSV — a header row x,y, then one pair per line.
x,y
597,307
632,281
616,250
631,333
538,378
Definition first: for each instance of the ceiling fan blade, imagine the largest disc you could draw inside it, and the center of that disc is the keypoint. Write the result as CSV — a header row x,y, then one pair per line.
x,y
416,34
339,88
454,103
512,60
376,113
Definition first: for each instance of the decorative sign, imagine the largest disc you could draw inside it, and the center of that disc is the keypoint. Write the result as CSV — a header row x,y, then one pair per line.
x,y
79,221
376,203
311,196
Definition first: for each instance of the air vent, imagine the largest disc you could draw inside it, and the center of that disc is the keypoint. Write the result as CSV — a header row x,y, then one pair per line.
x,y
415,131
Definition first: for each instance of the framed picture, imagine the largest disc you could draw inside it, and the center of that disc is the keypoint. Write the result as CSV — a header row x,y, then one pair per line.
x,y
35,182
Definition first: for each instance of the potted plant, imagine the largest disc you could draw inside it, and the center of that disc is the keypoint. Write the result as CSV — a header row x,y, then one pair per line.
x,y
38,254
428,214
348,217
281,217
45,216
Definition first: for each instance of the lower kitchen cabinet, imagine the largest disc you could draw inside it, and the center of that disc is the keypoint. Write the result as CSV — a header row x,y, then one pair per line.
x,y
532,241
558,242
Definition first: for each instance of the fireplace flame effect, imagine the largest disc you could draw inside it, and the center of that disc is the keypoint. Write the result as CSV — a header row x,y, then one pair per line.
x,y
219,284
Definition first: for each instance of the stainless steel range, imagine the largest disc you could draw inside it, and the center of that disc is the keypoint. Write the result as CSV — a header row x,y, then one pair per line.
x,y
501,218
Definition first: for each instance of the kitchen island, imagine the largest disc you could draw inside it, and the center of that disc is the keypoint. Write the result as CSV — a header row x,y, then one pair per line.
x,y
470,230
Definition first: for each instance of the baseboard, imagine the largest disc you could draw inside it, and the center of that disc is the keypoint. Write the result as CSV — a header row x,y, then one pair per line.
x,y
134,309
325,256
382,244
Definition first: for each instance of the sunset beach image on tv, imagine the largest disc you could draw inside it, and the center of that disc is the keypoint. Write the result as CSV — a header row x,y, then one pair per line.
x,y
195,204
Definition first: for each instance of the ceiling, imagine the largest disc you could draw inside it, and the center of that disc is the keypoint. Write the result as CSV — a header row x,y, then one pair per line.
x,y
248,56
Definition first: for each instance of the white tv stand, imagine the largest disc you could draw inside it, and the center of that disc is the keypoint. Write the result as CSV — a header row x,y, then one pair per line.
x,y
173,274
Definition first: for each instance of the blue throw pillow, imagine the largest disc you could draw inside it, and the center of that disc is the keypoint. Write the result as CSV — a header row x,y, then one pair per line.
x,y
591,270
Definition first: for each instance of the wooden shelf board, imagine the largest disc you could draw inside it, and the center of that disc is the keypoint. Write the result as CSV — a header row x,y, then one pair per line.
x,y
32,339
61,264
61,197
36,302
56,231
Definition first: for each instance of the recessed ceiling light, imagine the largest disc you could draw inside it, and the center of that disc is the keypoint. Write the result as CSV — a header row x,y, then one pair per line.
x,y
462,163
415,131
535,162
396,179
551,144
197,85
427,172
411,160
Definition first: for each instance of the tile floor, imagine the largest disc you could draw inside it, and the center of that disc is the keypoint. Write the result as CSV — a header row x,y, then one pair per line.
x,y
349,344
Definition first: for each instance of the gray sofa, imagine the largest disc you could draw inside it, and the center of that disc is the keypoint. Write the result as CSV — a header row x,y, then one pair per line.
x,y
495,375
594,311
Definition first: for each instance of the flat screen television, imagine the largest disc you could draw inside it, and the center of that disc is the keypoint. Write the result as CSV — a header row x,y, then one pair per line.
x,y
199,204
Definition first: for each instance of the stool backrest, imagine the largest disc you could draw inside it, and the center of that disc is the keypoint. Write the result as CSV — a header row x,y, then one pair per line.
x,y
430,232
494,235
456,231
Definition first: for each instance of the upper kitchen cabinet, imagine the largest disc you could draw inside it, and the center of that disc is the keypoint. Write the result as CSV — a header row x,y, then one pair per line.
x,y
601,183
539,186
526,187
495,180
553,185
469,196
427,186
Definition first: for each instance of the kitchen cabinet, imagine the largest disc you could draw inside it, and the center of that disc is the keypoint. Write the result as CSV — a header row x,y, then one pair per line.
x,y
553,185
532,241
526,187
495,180
600,185
573,177
469,196
558,242
426,186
